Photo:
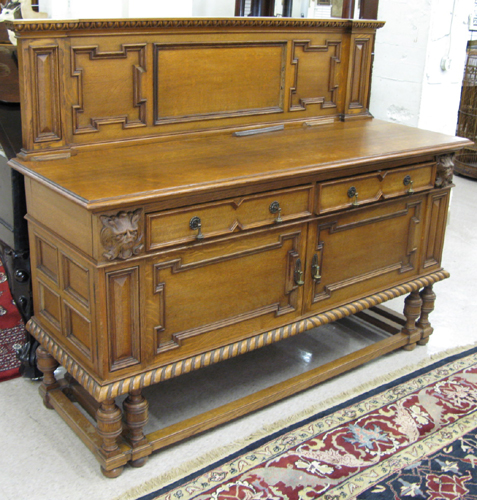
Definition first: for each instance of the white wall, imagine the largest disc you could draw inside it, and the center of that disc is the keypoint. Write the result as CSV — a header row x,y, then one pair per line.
x,y
409,86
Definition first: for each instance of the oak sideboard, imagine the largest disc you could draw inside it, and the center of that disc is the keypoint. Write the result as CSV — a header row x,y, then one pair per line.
x,y
200,188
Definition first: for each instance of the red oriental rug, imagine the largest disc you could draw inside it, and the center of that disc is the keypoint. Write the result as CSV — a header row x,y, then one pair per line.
x,y
12,331
415,438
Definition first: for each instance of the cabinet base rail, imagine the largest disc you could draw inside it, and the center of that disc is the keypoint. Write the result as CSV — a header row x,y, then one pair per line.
x,y
118,439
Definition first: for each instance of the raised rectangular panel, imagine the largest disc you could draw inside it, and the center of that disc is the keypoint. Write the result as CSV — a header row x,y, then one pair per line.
x,y
359,73
76,281
225,287
316,74
123,317
47,259
77,329
110,87
46,94
49,305
195,81
438,204
390,233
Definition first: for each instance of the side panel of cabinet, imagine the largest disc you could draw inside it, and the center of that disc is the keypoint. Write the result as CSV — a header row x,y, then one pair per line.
x,y
207,295
363,251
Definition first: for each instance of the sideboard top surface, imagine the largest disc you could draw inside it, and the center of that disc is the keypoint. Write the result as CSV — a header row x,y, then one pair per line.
x,y
100,179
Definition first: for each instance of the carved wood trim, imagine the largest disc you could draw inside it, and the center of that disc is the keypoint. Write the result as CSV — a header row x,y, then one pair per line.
x,y
122,298
45,64
445,170
23,26
359,73
107,391
139,101
160,120
166,343
121,234
332,85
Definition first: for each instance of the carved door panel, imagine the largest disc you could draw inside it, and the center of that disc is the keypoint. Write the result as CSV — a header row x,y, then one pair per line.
x,y
362,251
213,293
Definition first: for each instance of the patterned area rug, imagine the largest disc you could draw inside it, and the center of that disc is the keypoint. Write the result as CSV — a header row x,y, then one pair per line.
x,y
12,331
413,438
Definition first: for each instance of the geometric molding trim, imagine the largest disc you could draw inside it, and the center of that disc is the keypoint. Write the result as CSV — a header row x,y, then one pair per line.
x,y
138,102
332,84
108,391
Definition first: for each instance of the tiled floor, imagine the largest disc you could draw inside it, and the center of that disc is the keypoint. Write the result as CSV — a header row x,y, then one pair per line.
x,y
41,458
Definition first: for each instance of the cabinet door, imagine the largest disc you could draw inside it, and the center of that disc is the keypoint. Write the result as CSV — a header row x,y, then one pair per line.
x,y
209,294
362,251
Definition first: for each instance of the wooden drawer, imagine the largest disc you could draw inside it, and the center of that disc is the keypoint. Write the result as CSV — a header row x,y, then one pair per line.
x,y
227,216
369,188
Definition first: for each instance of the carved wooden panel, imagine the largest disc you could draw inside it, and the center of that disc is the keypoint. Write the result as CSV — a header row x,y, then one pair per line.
x,y
316,74
76,281
360,67
49,304
195,81
390,233
123,317
110,87
209,284
47,258
438,205
46,118
77,328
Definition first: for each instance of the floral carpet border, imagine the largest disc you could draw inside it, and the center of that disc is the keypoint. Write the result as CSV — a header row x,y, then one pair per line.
x,y
275,446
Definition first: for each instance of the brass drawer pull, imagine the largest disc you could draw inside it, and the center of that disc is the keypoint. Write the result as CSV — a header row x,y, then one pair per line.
x,y
298,273
352,193
315,268
276,209
196,224
408,182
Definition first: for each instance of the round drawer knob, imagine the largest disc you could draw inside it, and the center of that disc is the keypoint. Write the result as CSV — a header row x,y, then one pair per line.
x,y
196,225
407,181
353,193
276,209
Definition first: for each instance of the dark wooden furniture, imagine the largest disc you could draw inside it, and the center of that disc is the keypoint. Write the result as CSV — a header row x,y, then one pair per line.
x,y
198,189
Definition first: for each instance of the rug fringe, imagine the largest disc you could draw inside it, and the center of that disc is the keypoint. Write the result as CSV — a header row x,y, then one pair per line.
x,y
220,453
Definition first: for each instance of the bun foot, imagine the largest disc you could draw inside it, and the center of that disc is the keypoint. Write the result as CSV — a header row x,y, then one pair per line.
x,y
111,474
139,462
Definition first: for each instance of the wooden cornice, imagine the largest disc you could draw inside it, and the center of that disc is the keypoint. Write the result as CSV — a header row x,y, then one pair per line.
x,y
30,26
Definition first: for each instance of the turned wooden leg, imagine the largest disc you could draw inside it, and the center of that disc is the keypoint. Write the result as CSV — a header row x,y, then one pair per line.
x,y
412,310
47,364
428,300
109,427
136,413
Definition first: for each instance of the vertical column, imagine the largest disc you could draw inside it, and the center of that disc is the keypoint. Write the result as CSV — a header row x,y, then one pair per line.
x,y
109,427
412,309
428,299
136,413
47,364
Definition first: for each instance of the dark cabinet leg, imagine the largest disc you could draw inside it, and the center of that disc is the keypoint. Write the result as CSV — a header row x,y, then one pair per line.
x,y
428,300
412,310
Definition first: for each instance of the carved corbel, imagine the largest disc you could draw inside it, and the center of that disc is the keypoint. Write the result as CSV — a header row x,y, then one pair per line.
x,y
121,235
445,170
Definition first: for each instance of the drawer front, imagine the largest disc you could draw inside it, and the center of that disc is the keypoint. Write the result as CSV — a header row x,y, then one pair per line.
x,y
227,216
210,295
369,188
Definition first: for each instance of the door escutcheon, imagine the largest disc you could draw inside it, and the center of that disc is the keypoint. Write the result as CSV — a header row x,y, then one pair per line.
x,y
298,273
315,268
